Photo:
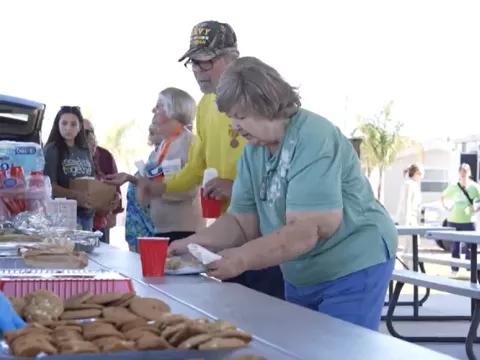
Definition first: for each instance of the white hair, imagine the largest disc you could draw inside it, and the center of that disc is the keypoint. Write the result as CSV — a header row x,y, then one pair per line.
x,y
251,87
177,105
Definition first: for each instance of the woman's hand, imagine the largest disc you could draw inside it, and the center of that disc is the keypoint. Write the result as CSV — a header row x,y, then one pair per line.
x,y
180,247
9,320
230,265
117,179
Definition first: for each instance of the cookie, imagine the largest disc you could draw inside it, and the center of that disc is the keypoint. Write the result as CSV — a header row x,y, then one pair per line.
x,y
170,320
133,324
81,314
104,298
235,334
124,301
43,306
31,346
194,341
152,343
82,306
149,308
78,299
34,329
222,343
136,334
18,304
78,347
116,346
118,315
221,325
94,330
183,334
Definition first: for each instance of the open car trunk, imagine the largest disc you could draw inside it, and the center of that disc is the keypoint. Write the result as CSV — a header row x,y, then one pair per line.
x,y
20,119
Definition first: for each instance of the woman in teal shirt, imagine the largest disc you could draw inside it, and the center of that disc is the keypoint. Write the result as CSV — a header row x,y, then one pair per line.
x,y
459,204
300,200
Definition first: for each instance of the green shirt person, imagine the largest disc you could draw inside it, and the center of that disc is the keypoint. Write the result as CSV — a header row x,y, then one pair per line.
x,y
300,200
458,200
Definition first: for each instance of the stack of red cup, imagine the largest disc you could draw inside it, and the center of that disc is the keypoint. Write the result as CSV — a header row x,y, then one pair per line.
x,y
211,207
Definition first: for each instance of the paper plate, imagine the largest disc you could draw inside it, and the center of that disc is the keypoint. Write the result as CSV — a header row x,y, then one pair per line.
x,y
187,270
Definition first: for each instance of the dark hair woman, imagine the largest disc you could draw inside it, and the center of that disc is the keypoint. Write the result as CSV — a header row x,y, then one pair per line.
x,y
67,157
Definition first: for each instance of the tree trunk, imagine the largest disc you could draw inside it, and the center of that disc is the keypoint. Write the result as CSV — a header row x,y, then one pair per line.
x,y
380,181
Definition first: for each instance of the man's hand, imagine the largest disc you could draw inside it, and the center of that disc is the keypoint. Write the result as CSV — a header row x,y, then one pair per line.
x,y
117,179
230,265
218,188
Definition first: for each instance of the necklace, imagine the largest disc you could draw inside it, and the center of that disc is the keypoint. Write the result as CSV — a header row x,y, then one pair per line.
x,y
233,137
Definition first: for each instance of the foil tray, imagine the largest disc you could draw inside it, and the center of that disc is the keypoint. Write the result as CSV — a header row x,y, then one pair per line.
x,y
60,273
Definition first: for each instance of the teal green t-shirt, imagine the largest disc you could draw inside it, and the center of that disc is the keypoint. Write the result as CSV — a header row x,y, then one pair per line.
x,y
462,210
315,169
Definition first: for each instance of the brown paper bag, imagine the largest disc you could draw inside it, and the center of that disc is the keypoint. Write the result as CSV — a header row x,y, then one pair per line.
x,y
101,194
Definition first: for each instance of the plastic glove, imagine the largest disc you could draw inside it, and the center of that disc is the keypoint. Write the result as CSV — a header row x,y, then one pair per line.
x,y
9,319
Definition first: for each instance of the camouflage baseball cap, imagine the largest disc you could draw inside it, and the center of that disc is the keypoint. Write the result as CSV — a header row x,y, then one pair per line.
x,y
210,39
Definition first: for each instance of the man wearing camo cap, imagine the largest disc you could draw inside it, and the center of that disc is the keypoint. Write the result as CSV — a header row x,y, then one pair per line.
x,y
213,46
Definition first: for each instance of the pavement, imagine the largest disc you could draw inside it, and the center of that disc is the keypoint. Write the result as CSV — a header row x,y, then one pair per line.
x,y
437,304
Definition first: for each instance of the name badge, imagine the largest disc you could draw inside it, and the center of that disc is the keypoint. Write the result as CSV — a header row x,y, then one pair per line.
x,y
155,172
171,167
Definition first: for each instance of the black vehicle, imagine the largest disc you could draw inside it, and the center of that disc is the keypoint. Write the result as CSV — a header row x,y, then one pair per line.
x,y
21,119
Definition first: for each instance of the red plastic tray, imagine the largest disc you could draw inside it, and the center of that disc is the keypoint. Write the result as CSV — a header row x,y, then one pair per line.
x,y
64,283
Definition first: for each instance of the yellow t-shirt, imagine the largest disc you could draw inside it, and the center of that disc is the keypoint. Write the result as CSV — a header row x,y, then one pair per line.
x,y
211,149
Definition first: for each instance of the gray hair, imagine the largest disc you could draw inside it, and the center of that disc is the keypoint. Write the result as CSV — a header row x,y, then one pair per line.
x,y
178,105
251,87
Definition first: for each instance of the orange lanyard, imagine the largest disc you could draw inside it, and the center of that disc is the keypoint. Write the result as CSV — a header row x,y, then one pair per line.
x,y
166,144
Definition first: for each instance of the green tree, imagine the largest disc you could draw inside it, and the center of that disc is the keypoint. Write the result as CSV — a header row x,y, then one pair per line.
x,y
382,141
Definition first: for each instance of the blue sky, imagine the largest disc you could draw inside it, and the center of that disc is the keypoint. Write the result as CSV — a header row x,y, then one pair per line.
x,y
113,57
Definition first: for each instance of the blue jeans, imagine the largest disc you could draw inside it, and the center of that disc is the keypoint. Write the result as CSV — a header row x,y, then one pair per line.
x,y
455,245
85,222
268,281
356,298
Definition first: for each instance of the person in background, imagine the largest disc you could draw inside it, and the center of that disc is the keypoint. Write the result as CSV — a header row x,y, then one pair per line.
x,y
213,46
458,200
105,165
9,320
175,216
409,203
301,200
67,157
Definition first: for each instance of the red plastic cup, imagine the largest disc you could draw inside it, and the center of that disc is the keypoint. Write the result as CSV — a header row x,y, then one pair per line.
x,y
211,208
153,253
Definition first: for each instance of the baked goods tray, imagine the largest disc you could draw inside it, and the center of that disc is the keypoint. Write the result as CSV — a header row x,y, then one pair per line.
x,y
127,355
64,283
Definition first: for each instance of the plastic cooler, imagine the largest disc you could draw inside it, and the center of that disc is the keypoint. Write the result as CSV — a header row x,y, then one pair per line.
x,y
64,283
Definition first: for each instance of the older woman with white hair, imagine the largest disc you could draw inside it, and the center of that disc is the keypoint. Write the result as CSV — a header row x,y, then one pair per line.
x,y
175,216
301,200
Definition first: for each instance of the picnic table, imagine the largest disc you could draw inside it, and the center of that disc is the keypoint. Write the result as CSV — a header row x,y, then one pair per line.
x,y
468,237
282,330
415,232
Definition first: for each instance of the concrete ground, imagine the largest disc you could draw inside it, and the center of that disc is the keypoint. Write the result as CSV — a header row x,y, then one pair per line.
x,y
438,304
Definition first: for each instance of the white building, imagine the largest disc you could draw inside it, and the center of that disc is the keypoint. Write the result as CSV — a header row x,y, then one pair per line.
x,y
440,160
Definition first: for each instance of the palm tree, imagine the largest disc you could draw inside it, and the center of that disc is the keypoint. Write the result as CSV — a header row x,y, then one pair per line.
x,y
382,141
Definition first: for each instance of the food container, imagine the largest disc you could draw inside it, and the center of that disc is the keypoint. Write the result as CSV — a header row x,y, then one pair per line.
x,y
87,245
128,355
64,283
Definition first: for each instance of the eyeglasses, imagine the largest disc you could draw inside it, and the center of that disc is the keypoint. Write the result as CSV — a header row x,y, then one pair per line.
x,y
203,65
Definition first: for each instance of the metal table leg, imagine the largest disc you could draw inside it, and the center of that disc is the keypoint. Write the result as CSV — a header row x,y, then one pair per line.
x,y
415,268
473,270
